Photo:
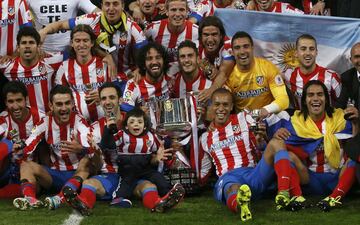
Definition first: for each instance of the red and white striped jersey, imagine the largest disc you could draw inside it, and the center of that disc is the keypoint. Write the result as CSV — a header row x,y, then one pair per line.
x,y
129,144
295,80
38,79
125,42
109,155
13,15
53,133
317,161
158,31
145,90
225,53
181,87
7,123
230,146
78,77
281,7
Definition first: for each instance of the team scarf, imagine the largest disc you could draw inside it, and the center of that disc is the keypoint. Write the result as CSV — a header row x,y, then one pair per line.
x,y
308,129
105,37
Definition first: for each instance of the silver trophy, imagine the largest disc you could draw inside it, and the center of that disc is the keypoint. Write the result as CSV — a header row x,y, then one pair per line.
x,y
173,117
15,138
255,114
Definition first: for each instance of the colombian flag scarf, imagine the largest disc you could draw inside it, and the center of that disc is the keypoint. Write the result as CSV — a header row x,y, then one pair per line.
x,y
308,129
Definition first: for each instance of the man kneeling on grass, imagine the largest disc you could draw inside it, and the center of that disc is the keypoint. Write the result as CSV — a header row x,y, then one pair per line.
x,y
133,139
231,147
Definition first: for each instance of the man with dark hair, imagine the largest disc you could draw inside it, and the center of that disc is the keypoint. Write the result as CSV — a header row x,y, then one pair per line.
x,y
66,134
16,123
116,34
318,146
84,72
37,74
295,79
215,53
255,82
45,12
173,30
275,6
155,84
191,77
231,147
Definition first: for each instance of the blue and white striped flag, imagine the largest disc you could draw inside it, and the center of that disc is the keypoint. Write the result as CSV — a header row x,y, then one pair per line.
x,y
275,34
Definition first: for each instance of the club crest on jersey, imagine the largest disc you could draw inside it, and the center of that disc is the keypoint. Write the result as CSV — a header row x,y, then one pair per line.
x,y
260,80
236,129
99,72
11,11
148,143
42,69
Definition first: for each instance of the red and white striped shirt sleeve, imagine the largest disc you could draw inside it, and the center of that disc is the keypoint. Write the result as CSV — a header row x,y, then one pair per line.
x,y
37,134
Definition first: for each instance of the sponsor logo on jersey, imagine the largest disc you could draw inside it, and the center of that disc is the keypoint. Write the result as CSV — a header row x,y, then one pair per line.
x,y
226,143
5,22
251,93
32,80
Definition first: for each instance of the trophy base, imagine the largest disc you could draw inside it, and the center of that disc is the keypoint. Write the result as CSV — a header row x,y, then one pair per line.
x,y
180,129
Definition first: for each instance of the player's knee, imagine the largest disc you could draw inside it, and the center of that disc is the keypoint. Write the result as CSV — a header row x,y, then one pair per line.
x,y
92,182
275,145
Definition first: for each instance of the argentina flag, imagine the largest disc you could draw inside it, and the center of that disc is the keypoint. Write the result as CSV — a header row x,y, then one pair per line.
x,y
275,34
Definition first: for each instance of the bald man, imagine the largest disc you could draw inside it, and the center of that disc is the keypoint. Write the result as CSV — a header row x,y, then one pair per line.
x,y
351,81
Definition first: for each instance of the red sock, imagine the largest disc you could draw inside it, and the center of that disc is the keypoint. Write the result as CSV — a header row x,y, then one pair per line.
x,y
295,189
28,189
74,183
88,194
345,182
283,170
10,191
150,197
231,202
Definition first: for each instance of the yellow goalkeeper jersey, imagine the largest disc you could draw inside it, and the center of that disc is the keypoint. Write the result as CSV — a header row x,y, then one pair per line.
x,y
261,86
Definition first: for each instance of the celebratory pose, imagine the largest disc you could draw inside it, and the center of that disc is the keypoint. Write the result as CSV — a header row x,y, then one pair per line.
x,y
231,148
66,134
319,144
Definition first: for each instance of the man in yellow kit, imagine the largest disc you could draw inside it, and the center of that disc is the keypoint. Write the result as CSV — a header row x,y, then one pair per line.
x,y
255,82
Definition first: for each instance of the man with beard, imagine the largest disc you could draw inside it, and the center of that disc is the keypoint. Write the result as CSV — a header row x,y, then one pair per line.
x,y
255,82
295,79
15,126
66,134
155,84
